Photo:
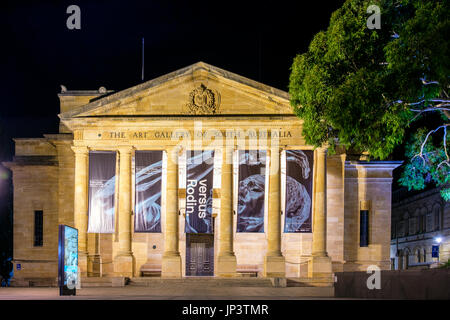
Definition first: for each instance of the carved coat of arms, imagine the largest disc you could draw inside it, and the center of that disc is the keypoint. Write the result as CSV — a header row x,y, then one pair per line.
x,y
203,101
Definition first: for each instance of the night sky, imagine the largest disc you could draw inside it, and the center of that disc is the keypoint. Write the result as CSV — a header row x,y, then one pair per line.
x,y
39,53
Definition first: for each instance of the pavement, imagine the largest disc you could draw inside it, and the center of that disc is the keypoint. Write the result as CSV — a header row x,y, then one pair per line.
x,y
170,292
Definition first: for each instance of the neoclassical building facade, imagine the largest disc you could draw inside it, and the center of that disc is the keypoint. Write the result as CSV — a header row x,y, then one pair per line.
x,y
335,217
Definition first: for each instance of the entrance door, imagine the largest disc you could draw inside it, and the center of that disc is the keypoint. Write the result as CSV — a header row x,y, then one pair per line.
x,y
199,254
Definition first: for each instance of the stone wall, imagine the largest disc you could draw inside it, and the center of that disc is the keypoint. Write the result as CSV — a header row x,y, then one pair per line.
x,y
368,184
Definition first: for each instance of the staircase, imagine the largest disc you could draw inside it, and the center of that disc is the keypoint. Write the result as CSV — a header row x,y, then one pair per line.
x,y
202,282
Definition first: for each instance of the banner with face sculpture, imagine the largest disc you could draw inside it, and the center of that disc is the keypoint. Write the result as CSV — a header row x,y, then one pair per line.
x,y
252,182
199,189
148,173
299,166
102,186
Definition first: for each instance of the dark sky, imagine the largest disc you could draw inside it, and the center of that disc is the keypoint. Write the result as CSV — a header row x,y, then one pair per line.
x,y
39,52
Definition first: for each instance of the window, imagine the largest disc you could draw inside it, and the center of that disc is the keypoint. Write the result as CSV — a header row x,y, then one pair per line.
x,y
401,229
364,228
424,255
429,222
436,218
394,230
38,228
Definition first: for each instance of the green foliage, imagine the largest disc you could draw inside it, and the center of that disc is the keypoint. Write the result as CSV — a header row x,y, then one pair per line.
x,y
427,167
356,87
337,86
445,265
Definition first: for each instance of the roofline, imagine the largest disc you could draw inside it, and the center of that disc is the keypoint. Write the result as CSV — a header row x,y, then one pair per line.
x,y
173,75
83,93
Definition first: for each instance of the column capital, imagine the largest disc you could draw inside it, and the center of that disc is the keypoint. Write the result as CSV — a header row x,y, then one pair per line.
x,y
278,149
322,150
125,149
80,149
174,152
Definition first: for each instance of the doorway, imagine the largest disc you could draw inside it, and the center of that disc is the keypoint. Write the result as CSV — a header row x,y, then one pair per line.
x,y
199,254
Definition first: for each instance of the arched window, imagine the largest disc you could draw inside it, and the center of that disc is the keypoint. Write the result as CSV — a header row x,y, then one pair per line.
x,y
394,230
437,218
419,259
406,260
424,255
423,220
401,228
412,225
406,225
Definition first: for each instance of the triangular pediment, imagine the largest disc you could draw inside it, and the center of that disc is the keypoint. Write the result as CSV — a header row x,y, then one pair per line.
x,y
199,89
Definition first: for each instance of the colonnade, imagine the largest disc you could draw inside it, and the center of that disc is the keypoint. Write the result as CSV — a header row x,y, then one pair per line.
x,y
274,262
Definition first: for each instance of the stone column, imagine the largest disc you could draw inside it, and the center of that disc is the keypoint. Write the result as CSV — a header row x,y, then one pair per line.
x,y
274,262
226,260
81,204
319,265
124,261
171,260
94,257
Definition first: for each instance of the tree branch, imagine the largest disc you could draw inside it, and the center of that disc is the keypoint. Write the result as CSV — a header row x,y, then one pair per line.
x,y
420,155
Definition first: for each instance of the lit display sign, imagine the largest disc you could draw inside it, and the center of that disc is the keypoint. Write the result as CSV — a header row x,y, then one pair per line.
x,y
68,258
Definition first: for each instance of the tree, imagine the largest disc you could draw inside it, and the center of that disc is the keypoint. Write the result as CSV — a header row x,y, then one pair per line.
x,y
363,88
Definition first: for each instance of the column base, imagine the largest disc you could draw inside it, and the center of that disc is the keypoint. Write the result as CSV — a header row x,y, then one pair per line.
x,y
226,266
124,265
171,266
83,263
94,265
320,267
274,267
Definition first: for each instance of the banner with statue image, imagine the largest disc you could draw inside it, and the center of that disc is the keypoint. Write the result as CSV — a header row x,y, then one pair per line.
x,y
299,165
148,176
102,187
251,193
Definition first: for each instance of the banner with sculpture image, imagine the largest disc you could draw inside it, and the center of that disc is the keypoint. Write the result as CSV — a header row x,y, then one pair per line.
x,y
251,193
148,175
299,165
102,187
199,189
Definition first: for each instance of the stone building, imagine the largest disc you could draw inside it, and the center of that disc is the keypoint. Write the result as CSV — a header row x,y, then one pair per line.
x,y
51,185
419,221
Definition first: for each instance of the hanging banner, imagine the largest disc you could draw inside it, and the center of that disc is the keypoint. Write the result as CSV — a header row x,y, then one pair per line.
x,y
148,175
102,185
199,188
299,165
252,183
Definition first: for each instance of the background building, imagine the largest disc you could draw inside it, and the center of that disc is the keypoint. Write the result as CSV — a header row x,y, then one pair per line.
x,y
419,220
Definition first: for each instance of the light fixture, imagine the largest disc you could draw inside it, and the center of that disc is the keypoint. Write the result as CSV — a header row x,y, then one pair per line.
x,y
438,239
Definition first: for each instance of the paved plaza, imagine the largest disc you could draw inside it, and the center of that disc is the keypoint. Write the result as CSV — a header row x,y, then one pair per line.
x,y
170,292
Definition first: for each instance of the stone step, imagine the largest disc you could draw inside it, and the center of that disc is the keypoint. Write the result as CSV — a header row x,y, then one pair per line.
x,y
89,282
308,282
202,281
35,282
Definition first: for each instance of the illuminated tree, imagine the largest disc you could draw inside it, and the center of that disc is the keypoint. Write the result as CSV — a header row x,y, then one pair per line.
x,y
362,88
